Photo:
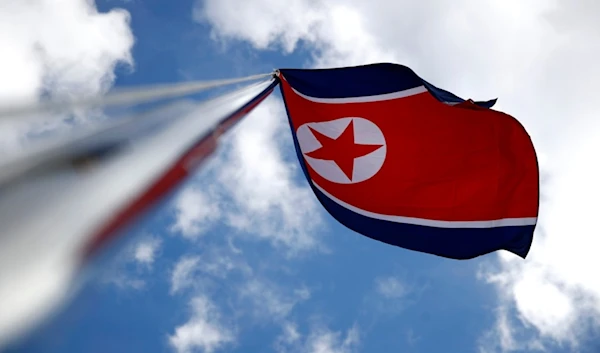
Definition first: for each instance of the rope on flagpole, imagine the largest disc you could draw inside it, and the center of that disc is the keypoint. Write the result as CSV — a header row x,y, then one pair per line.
x,y
126,96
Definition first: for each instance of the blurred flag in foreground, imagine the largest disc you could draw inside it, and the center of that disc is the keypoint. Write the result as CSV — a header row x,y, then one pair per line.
x,y
61,201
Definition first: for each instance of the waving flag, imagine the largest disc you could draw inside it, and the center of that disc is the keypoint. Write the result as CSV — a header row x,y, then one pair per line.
x,y
399,160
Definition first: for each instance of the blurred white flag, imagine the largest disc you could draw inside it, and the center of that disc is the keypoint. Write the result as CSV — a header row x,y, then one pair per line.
x,y
61,201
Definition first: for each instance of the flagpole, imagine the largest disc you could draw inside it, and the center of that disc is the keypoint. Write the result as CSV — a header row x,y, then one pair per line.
x,y
125,96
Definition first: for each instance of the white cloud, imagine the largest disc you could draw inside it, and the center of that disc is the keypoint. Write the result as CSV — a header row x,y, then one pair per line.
x,y
143,252
390,287
271,204
290,335
199,271
334,28
204,329
287,22
62,49
504,336
119,271
250,297
146,250
319,340
537,57
195,212
58,48
391,295
271,301
412,338
182,275
255,183
329,342
501,337
125,282
246,291
218,263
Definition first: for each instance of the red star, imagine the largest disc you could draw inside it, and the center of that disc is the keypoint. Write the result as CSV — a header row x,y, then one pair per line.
x,y
342,150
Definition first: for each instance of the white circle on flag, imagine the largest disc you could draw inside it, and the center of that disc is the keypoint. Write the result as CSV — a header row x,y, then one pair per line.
x,y
365,133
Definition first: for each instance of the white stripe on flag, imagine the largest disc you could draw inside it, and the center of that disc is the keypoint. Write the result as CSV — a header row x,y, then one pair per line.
x,y
366,99
494,223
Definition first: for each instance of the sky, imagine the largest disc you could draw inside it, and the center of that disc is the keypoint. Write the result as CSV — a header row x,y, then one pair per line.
x,y
243,258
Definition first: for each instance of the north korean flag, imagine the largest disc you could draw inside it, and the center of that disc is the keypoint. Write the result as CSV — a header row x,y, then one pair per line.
x,y
399,160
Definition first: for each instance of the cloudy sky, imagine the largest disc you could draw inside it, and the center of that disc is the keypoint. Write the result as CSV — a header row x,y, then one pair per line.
x,y
243,258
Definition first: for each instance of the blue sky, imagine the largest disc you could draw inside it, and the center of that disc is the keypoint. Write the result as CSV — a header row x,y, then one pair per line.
x,y
275,273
